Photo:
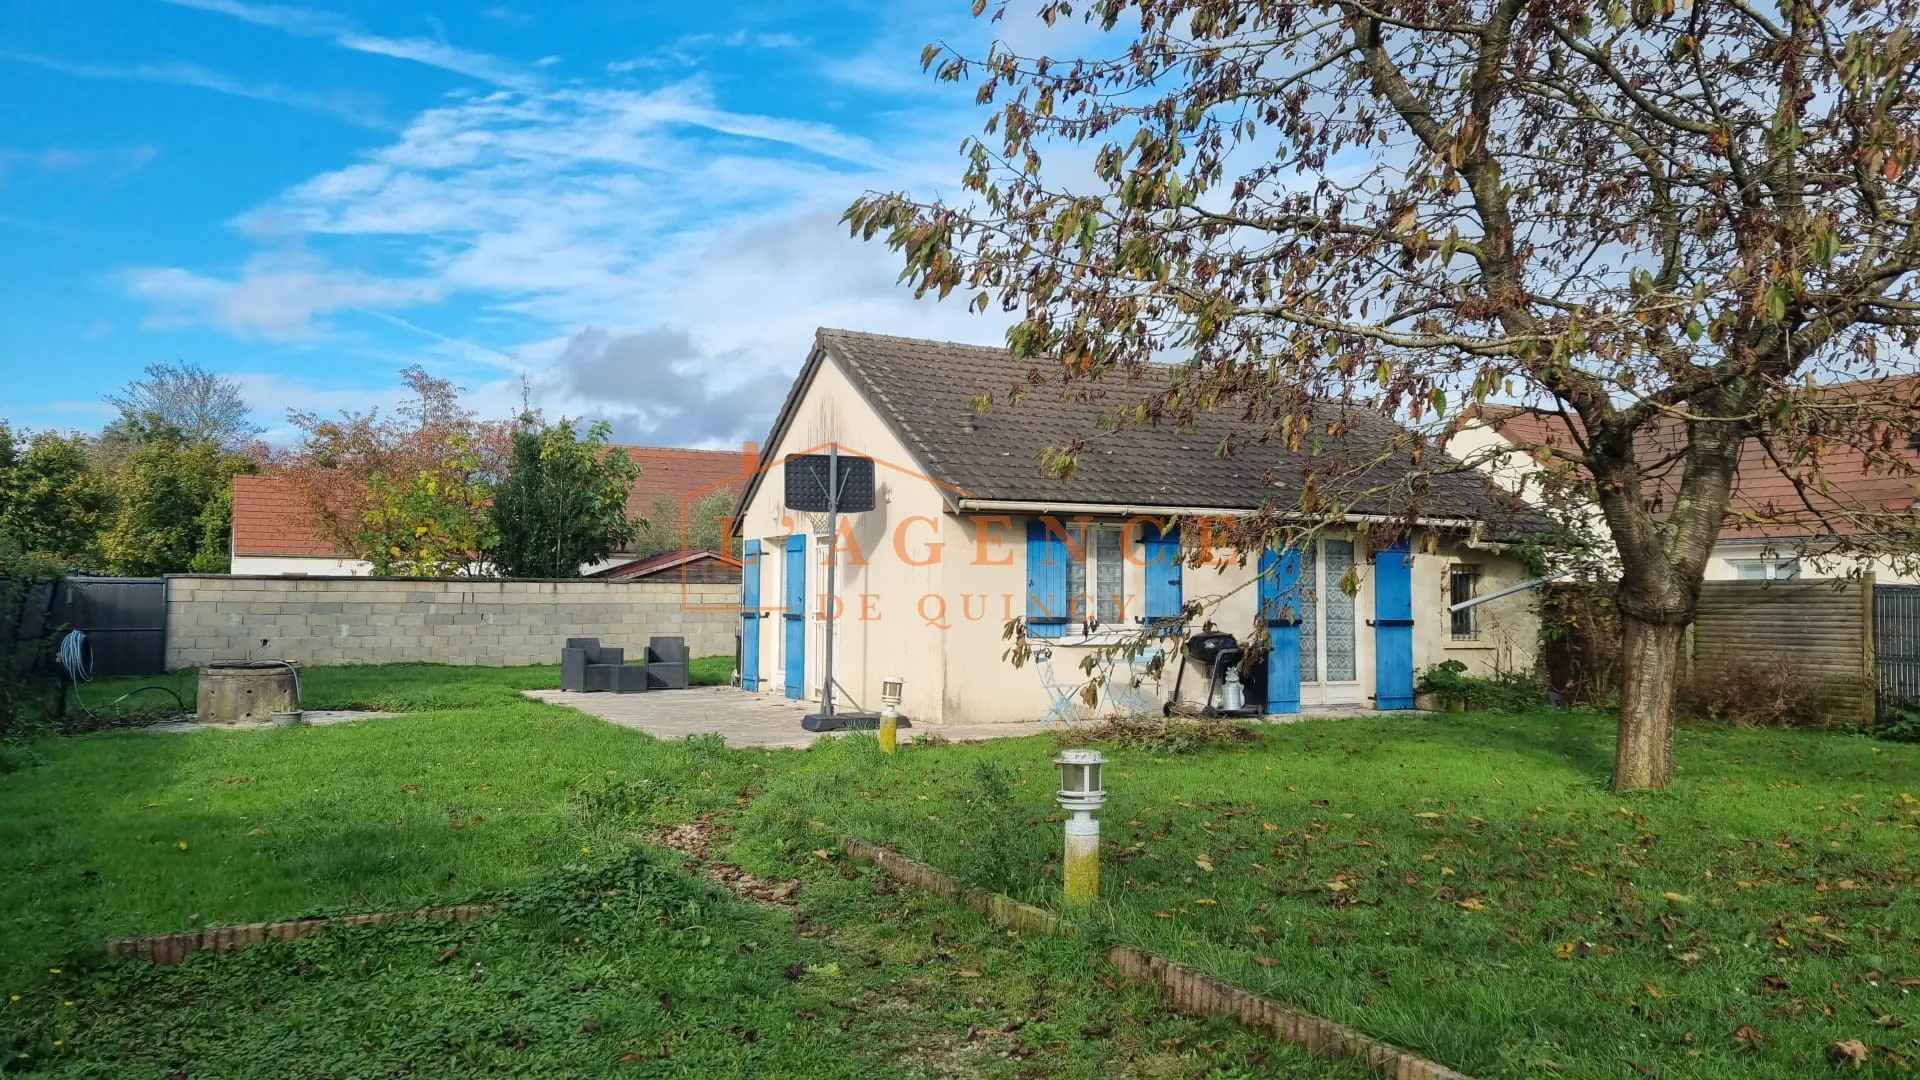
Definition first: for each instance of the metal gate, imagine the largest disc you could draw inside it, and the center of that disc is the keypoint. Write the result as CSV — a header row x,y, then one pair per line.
x,y
1896,645
125,620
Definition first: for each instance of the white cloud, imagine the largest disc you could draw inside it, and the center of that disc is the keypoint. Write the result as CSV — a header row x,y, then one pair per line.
x,y
351,107
278,297
305,22
619,237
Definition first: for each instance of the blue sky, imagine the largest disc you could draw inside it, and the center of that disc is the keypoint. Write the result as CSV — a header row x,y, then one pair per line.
x,y
632,205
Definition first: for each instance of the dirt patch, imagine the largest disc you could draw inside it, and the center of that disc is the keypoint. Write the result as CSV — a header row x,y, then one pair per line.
x,y
698,838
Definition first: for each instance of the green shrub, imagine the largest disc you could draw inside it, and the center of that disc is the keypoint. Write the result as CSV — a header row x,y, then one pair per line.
x,y
1900,722
1507,691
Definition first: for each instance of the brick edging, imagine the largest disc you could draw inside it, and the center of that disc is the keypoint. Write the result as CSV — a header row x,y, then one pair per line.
x,y
1195,991
999,907
177,946
1187,989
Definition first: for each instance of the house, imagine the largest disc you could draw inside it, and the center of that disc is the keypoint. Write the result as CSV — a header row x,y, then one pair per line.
x,y
969,533
704,565
273,534
1775,529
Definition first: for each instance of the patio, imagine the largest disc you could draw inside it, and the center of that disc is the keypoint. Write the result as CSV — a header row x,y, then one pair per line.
x,y
741,718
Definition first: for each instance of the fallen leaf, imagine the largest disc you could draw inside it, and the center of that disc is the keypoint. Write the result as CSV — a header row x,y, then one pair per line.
x,y
1204,862
1678,898
448,955
966,973
1473,903
1428,814
1750,1036
1265,961
1848,1050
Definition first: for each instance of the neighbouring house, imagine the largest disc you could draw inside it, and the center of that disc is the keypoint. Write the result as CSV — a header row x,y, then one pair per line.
x,y
703,565
968,533
1775,529
274,534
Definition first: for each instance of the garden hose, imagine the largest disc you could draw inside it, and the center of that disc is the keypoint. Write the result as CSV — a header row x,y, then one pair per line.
x,y
76,661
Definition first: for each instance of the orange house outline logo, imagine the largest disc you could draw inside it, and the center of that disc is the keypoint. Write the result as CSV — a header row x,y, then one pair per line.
x,y
691,498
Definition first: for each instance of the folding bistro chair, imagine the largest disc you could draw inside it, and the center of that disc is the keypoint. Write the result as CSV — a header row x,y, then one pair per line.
x,y
1127,693
1064,702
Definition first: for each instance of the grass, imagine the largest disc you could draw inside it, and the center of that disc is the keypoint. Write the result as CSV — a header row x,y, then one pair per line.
x,y
630,967
1466,885
475,789
606,959
1463,885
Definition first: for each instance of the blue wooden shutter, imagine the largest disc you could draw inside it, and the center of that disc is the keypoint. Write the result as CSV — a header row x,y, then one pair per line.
x,y
1393,626
750,616
1163,569
795,617
1280,612
1046,581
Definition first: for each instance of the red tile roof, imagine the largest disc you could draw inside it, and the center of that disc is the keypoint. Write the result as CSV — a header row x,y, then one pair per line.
x,y
663,561
678,474
269,520
1766,503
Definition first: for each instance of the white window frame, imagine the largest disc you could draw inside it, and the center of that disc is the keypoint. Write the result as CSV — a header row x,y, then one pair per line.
x,y
1084,602
1770,568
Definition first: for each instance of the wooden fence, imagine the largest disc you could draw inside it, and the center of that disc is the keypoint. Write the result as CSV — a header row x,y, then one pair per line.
x,y
1823,628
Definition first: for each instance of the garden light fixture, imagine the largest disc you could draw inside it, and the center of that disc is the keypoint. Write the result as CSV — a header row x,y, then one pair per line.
x,y
891,689
1081,794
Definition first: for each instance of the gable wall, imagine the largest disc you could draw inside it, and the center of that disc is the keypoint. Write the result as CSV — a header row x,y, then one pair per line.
x,y
879,634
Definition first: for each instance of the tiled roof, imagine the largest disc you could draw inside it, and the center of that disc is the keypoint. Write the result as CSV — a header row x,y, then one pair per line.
x,y
923,389
665,560
677,473
268,519
1762,488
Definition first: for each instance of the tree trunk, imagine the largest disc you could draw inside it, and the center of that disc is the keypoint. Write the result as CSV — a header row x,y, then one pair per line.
x,y
1651,669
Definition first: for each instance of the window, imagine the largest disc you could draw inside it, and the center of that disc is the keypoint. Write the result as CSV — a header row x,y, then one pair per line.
x,y
1766,569
1102,560
1326,612
1463,584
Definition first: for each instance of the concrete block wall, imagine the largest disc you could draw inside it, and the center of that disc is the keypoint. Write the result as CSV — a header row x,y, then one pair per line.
x,y
383,620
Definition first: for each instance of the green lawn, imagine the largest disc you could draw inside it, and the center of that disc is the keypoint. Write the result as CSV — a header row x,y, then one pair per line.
x,y
474,789
1466,885
606,958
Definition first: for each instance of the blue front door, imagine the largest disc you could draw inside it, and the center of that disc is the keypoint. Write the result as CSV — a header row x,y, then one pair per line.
x,y
1280,613
1393,626
750,616
795,617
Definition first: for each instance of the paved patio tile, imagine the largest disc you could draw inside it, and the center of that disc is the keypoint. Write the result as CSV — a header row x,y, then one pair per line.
x,y
743,719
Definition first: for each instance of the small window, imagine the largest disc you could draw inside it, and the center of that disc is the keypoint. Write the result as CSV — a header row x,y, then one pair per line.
x,y
1766,569
1103,563
1463,584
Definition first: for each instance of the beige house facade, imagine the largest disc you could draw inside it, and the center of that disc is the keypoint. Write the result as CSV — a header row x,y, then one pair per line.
x,y
970,546
1770,534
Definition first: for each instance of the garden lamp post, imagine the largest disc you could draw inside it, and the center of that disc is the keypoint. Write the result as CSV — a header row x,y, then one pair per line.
x,y
1081,794
891,689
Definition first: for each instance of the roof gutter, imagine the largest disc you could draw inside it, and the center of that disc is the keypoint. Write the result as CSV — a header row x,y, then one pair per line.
x,y
1029,506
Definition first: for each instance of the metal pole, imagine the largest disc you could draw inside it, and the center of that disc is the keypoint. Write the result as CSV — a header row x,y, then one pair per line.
x,y
833,563
1531,583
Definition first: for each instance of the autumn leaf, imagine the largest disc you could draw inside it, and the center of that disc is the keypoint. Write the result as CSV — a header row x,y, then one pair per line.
x,y
1848,1050
1749,1036
1265,961
1473,903
1204,862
